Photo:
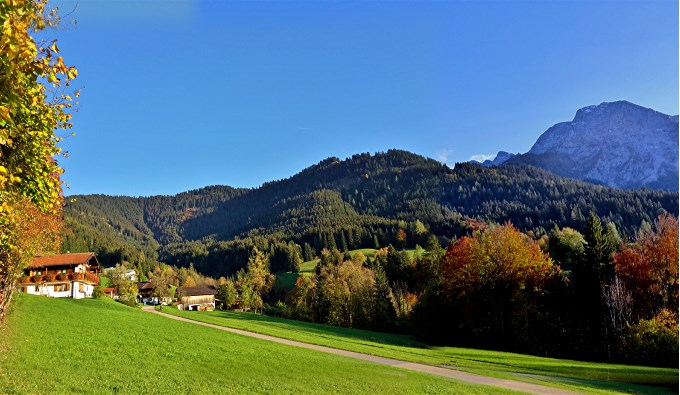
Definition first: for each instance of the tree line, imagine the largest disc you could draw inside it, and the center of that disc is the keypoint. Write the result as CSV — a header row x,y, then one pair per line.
x,y
568,294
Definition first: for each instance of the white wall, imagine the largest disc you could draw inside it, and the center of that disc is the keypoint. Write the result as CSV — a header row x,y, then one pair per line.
x,y
73,292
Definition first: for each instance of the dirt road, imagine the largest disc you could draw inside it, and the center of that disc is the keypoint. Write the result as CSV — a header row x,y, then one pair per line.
x,y
439,371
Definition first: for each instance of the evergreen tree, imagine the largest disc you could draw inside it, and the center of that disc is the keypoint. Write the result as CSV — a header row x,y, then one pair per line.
x,y
343,242
308,253
590,277
383,313
598,249
294,257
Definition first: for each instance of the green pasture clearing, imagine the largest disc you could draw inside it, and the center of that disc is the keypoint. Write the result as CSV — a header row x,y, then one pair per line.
x,y
574,375
66,346
309,266
370,252
286,280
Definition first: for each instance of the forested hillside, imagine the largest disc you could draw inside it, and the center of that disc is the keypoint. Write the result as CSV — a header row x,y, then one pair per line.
x,y
362,201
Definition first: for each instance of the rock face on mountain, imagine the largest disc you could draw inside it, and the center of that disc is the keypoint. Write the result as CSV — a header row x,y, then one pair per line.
x,y
618,144
501,157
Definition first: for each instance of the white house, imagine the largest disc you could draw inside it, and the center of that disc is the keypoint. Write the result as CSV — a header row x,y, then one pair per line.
x,y
131,275
61,276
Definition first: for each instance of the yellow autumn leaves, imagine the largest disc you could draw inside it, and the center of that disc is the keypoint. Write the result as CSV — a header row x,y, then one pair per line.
x,y
31,110
34,105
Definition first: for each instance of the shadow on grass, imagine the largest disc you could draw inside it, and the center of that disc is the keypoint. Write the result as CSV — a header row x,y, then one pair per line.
x,y
599,377
325,331
629,388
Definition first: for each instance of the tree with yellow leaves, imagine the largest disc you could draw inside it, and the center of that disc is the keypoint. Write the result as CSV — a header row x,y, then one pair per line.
x,y
33,106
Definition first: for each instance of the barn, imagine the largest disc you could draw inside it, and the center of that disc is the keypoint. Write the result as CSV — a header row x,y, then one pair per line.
x,y
201,297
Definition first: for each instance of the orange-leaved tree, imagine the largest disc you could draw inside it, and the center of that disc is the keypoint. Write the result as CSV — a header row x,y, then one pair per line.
x,y
33,106
649,267
492,279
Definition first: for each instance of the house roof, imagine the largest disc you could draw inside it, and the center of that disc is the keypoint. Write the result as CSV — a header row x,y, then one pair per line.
x,y
144,286
108,290
198,290
84,258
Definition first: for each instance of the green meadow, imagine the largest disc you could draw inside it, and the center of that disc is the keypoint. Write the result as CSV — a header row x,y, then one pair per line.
x,y
66,346
589,377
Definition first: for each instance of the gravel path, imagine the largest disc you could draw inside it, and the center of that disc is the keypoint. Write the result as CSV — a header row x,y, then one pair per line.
x,y
418,367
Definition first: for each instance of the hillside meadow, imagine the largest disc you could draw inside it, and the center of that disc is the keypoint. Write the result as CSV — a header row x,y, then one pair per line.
x,y
59,346
587,377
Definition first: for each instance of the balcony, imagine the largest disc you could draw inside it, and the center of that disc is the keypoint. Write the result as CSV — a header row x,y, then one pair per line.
x,y
50,278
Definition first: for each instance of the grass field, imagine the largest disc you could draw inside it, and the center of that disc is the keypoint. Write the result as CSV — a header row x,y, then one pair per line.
x,y
308,267
575,375
66,346
286,280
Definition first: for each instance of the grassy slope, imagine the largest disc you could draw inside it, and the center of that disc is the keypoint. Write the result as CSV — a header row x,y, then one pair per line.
x,y
98,346
576,375
308,267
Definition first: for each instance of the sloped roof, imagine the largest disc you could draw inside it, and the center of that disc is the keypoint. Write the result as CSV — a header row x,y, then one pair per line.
x,y
144,286
198,290
83,258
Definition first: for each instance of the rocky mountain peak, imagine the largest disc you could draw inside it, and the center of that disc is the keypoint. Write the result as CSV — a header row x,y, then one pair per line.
x,y
619,144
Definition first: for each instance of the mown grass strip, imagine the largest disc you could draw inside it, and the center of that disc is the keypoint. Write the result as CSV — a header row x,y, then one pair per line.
x,y
574,375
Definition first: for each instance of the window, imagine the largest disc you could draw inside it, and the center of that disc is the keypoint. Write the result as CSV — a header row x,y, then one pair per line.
x,y
81,288
62,287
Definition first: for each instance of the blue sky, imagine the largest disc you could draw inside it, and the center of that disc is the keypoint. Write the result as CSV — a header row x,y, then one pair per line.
x,y
177,95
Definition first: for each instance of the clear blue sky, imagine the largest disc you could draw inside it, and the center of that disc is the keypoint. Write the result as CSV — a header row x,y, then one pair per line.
x,y
178,95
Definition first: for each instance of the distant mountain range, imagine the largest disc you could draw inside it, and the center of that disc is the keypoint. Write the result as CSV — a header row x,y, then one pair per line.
x,y
619,144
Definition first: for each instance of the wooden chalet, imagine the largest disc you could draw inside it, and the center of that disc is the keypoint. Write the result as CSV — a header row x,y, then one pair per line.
x,y
61,276
201,297
144,291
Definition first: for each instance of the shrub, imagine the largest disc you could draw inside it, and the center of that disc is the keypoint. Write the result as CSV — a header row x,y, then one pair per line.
x,y
280,309
97,292
127,302
37,278
652,342
48,277
24,279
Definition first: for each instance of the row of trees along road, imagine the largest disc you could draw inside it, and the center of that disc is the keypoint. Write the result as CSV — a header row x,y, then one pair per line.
x,y
34,104
567,294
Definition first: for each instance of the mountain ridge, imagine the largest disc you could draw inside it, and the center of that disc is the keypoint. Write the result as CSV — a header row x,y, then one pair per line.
x,y
619,144
360,201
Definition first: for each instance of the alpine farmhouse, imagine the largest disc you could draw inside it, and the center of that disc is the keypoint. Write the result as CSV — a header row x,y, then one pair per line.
x,y
61,276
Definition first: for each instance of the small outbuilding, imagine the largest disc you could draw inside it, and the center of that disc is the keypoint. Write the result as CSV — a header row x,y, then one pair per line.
x,y
201,297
